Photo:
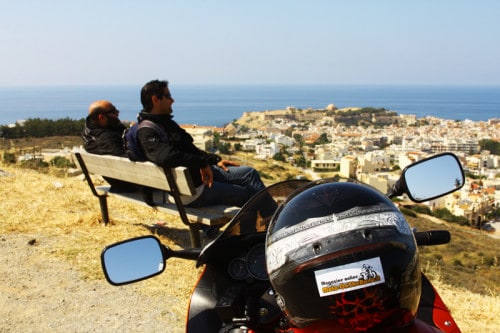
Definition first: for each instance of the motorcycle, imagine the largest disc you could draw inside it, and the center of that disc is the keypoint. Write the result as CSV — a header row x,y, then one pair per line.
x,y
234,294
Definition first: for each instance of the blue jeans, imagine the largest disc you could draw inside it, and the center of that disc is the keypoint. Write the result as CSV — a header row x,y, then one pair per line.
x,y
233,187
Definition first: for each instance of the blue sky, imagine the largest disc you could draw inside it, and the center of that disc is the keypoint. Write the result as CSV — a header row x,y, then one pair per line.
x,y
105,42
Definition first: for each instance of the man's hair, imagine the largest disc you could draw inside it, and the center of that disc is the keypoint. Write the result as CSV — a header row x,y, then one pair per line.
x,y
150,89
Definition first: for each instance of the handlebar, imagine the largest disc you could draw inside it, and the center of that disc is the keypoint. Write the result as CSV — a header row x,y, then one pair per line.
x,y
432,237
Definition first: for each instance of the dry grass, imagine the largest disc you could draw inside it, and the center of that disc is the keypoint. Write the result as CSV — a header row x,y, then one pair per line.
x,y
48,207
469,261
472,312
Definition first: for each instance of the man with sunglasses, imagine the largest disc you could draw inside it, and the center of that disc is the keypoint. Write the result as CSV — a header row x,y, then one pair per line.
x,y
218,181
102,135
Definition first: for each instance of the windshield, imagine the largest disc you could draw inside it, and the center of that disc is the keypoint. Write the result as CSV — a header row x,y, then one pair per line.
x,y
255,215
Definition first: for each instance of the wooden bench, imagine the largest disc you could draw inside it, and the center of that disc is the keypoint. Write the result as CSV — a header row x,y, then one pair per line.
x,y
173,181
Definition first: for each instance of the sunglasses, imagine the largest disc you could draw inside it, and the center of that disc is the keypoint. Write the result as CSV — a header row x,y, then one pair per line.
x,y
113,110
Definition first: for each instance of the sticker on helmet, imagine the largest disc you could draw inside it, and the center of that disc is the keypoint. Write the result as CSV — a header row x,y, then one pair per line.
x,y
357,275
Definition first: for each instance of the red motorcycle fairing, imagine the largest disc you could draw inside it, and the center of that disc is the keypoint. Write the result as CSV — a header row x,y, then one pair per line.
x,y
432,309
417,326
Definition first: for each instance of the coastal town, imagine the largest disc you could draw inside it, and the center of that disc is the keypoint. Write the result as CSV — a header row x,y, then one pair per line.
x,y
372,145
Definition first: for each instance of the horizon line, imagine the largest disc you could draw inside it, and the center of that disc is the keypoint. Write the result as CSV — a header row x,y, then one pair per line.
x,y
63,85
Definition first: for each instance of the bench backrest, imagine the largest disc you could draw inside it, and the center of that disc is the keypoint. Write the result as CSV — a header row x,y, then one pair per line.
x,y
142,173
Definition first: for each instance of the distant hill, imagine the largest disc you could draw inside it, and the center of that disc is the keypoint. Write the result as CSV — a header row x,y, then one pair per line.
x,y
350,116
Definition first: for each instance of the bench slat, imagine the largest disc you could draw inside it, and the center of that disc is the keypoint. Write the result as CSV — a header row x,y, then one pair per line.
x,y
149,174
210,215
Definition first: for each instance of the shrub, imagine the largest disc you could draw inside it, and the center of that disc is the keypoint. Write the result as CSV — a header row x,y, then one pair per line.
x,y
61,162
35,164
9,158
422,209
489,261
408,212
265,175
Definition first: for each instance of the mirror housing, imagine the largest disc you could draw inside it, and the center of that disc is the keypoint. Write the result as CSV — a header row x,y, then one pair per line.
x,y
430,178
133,260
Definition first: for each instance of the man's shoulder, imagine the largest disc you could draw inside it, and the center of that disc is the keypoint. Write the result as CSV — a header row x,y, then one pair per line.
x,y
147,125
147,129
103,134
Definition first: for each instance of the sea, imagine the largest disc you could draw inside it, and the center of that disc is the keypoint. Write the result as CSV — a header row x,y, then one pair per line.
x,y
217,105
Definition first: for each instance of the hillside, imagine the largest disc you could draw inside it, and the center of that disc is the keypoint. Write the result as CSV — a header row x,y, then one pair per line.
x,y
469,261
51,240
350,116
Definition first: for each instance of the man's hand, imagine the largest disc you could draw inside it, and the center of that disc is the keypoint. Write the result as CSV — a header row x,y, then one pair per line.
x,y
207,176
224,163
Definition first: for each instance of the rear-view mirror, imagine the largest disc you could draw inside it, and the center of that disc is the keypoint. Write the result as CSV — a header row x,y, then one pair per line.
x,y
433,177
133,260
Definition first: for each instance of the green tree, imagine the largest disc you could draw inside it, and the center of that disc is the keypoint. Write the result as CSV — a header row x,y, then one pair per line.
x,y
279,157
299,139
216,139
491,145
300,161
244,129
37,128
323,138
224,148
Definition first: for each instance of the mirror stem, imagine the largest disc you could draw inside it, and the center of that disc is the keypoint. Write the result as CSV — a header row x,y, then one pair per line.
x,y
190,254
397,189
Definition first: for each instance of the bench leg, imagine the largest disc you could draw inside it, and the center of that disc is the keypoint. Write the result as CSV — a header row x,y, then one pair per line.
x,y
194,233
104,209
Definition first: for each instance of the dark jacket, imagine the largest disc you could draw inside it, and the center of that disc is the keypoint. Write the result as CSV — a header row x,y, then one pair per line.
x,y
178,150
103,141
107,141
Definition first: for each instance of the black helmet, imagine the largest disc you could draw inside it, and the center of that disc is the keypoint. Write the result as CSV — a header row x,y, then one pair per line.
x,y
341,255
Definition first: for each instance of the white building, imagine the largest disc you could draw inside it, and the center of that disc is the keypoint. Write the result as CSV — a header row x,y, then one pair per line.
x,y
284,140
252,144
348,166
264,151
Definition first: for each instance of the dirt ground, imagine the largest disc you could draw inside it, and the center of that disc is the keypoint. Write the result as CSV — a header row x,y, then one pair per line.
x,y
51,296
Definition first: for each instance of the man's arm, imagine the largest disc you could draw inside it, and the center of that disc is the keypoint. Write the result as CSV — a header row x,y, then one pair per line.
x,y
223,164
207,176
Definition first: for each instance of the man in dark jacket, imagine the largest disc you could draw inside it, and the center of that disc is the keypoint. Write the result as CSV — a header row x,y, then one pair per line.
x,y
103,135
218,181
